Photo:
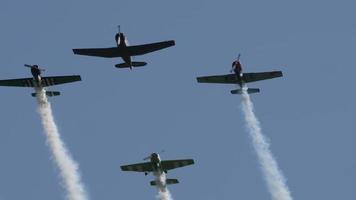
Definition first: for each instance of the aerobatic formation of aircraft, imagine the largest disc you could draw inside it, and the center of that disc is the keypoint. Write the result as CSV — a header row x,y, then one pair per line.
x,y
37,81
240,78
158,167
153,163
125,51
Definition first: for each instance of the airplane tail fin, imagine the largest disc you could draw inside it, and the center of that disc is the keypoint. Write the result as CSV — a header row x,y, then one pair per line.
x,y
249,91
168,182
48,93
134,64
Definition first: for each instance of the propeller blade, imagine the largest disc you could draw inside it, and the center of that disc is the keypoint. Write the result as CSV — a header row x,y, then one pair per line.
x,y
26,65
147,158
238,57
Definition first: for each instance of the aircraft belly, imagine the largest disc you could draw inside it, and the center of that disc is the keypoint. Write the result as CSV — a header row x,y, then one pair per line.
x,y
127,59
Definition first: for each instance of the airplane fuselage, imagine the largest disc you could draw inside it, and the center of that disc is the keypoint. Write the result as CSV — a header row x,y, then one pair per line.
x,y
158,171
156,162
237,69
121,43
36,73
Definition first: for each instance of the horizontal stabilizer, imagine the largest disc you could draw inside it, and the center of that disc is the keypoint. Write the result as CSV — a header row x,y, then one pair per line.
x,y
48,93
168,182
249,91
134,64
172,181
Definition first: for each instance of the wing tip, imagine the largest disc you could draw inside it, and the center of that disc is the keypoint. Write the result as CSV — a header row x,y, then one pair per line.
x,y
278,73
199,79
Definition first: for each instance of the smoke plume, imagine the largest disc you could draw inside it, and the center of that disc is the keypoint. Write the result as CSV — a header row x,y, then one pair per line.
x,y
163,192
68,168
275,180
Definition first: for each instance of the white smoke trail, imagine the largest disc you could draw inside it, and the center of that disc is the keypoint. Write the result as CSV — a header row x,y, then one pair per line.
x,y
276,182
163,192
68,168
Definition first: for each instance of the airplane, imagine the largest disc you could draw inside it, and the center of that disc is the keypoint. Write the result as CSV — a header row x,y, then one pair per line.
x,y
38,82
125,51
158,167
240,78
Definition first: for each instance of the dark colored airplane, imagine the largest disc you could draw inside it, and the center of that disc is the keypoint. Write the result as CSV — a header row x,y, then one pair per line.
x,y
125,51
158,167
240,78
37,81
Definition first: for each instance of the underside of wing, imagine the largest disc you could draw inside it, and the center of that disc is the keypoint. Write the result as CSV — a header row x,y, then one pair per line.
x,y
147,48
139,167
100,52
227,79
172,164
21,82
57,80
251,77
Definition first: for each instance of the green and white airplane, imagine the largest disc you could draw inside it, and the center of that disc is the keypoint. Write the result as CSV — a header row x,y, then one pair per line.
x,y
39,82
158,167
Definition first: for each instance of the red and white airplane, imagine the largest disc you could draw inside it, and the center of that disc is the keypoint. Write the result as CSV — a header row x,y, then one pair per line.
x,y
240,78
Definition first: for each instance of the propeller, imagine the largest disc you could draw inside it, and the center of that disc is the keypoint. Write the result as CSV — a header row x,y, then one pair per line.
x,y
34,66
147,158
150,156
238,57
117,36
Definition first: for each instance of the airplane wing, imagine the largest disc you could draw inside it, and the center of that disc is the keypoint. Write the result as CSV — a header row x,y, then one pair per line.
x,y
119,52
228,79
147,48
172,164
46,81
100,52
57,80
252,77
139,167
21,82
247,77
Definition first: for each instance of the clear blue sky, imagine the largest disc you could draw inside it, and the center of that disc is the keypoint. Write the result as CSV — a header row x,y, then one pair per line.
x,y
116,117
